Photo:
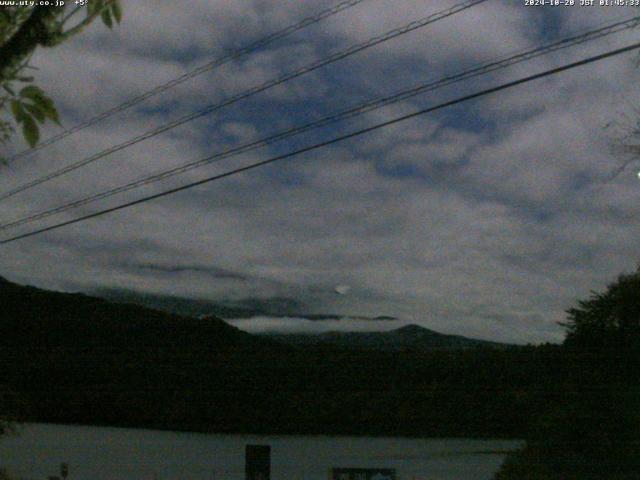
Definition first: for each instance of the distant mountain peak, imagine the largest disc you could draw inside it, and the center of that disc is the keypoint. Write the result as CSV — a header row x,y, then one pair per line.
x,y
413,330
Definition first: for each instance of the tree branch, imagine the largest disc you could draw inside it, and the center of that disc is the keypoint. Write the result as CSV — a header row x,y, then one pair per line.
x,y
36,30
84,23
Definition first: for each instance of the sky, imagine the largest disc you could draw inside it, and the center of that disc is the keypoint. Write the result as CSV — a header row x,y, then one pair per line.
x,y
488,219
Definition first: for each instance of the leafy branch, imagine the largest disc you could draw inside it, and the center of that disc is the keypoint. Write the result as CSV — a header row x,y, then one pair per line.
x,y
22,30
31,107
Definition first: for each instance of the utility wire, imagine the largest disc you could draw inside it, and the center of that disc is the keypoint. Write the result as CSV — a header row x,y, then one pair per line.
x,y
361,109
335,140
252,47
414,25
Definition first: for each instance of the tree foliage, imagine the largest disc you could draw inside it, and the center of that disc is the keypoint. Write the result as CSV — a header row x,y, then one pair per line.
x,y
610,319
593,430
22,30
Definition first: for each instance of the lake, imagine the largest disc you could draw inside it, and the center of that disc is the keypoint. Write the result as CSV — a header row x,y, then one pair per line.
x,y
97,453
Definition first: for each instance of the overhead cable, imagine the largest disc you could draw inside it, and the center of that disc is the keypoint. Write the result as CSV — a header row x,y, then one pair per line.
x,y
361,109
252,47
326,143
414,25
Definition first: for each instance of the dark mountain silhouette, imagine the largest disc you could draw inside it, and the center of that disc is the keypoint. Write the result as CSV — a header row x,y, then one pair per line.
x,y
73,358
410,337
43,317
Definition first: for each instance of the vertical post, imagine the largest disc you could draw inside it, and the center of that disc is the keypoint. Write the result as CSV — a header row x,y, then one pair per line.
x,y
258,462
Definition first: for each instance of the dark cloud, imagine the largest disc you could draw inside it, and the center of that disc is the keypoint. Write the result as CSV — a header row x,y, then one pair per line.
x,y
214,272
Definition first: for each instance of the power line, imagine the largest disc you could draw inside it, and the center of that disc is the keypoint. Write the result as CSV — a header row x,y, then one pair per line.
x,y
335,140
366,107
252,47
414,25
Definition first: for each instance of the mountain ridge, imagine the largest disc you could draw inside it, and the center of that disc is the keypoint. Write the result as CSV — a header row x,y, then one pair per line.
x,y
407,337
73,358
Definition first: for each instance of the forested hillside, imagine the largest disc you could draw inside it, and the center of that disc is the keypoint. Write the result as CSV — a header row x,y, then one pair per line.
x,y
76,359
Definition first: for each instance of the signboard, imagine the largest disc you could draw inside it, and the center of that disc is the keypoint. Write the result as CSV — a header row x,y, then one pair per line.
x,y
363,474
258,462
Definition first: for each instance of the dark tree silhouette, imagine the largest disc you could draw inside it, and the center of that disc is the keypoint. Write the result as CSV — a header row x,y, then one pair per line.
x,y
593,432
607,320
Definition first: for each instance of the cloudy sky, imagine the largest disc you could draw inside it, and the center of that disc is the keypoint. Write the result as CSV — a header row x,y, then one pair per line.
x,y
488,219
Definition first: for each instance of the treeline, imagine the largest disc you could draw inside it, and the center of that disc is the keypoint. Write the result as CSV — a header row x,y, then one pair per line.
x,y
77,359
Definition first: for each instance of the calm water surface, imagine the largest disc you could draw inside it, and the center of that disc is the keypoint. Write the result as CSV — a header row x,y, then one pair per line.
x,y
95,453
